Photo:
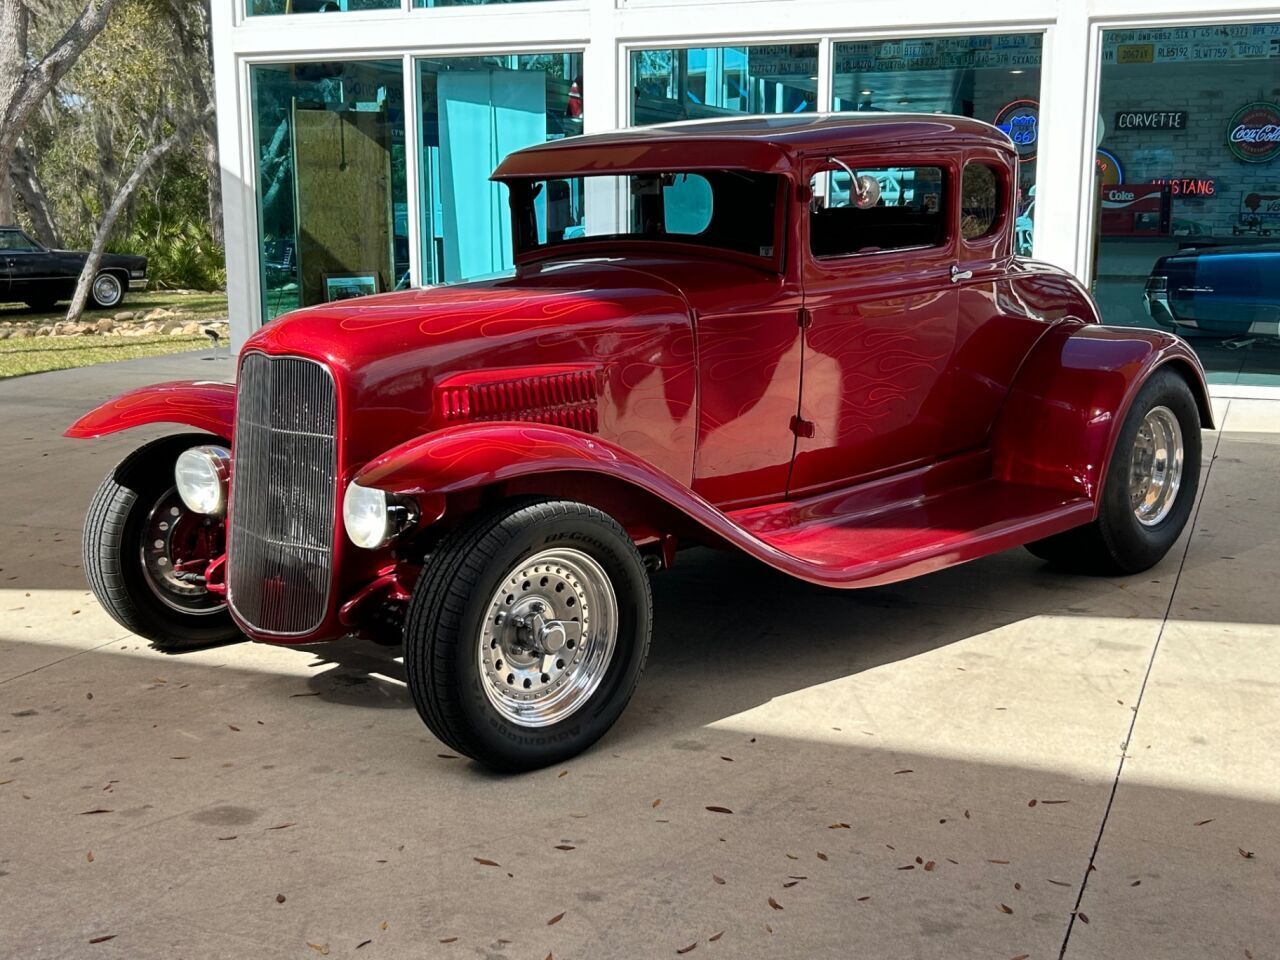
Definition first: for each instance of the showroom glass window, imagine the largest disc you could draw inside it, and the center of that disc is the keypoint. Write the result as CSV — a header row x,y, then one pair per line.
x,y
993,77
272,7
473,112
706,82
463,3
330,170
1188,191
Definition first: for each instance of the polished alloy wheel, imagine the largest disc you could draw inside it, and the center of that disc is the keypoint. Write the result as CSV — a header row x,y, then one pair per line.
x,y
177,547
549,635
1155,469
106,290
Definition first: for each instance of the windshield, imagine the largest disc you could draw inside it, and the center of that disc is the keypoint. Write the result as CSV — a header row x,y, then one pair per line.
x,y
722,209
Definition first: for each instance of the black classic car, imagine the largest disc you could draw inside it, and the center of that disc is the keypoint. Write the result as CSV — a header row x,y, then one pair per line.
x,y
32,273
1229,290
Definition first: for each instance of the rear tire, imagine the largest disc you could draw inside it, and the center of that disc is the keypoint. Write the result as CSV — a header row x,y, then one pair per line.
x,y
107,290
1118,541
558,559
123,572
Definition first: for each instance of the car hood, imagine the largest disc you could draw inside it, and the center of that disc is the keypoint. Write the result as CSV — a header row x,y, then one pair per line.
x,y
389,351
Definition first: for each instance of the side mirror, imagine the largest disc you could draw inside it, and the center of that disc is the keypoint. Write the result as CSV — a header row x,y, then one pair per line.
x,y
866,192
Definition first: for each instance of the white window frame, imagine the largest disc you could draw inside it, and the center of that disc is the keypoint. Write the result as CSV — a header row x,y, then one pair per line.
x,y
606,32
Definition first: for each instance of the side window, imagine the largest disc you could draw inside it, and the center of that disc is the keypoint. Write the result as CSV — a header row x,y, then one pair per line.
x,y
16,241
979,201
889,208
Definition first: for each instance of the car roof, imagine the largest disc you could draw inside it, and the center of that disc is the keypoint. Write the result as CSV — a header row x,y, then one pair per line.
x,y
1227,250
768,144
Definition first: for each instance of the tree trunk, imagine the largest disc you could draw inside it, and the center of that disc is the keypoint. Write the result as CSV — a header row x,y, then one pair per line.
x,y
30,191
24,84
146,162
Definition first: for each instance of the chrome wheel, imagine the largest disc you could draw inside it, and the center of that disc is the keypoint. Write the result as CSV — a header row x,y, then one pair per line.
x,y
549,636
177,547
1155,468
106,290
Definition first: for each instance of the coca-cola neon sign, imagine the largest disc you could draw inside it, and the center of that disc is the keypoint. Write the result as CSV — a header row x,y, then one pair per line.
x,y
1254,132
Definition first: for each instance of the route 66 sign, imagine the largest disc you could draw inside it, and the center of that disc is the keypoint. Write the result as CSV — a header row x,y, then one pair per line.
x,y
1020,119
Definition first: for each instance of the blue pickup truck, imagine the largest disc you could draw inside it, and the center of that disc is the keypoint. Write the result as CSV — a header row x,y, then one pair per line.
x,y
1229,290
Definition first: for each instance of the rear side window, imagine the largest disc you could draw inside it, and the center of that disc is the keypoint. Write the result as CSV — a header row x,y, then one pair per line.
x,y
889,208
979,201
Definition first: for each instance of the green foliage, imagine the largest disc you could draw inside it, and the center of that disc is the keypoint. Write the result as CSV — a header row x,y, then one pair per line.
x,y
104,114
181,252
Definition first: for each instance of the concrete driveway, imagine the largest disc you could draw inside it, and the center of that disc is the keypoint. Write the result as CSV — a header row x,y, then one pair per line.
x,y
994,761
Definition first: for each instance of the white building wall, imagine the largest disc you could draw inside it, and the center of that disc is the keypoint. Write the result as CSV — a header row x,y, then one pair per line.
x,y
607,30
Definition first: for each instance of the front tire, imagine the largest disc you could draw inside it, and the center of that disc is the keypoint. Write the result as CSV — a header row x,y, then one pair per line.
x,y
141,546
1149,491
527,633
107,290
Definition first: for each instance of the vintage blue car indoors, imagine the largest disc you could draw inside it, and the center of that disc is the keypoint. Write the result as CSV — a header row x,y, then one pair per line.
x,y
1225,291
33,274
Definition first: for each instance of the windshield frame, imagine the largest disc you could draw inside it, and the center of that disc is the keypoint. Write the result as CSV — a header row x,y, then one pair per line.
x,y
523,222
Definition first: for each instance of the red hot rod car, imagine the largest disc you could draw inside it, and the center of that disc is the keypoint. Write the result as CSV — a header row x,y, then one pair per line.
x,y
805,338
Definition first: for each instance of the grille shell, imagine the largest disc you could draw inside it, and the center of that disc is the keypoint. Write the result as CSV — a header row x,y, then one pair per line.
x,y
283,495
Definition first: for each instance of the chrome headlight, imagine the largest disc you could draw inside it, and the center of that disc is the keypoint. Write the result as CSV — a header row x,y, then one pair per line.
x,y
374,518
201,475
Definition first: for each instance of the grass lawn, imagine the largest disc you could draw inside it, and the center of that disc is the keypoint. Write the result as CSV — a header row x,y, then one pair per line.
x,y
202,306
39,355
32,355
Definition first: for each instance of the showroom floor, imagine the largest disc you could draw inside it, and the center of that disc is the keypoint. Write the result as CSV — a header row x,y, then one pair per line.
x,y
993,762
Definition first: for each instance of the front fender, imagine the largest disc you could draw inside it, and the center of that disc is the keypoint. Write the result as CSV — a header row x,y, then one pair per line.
x,y
475,455
203,404
1063,416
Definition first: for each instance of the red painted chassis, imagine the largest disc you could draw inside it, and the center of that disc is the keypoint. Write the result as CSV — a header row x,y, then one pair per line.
x,y
848,423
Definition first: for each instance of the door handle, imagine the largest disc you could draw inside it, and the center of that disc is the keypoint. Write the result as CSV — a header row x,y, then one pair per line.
x,y
957,274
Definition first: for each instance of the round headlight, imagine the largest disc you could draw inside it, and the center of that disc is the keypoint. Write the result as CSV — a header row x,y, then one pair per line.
x,y
200,475
364,513
374,518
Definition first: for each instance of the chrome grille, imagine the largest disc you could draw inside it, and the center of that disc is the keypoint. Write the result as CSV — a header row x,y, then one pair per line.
x,y
283,494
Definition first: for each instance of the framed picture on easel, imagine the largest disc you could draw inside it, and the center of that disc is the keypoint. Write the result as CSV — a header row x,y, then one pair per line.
x,y
346,285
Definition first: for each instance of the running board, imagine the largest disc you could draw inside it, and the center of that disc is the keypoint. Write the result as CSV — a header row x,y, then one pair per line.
x,y
854,538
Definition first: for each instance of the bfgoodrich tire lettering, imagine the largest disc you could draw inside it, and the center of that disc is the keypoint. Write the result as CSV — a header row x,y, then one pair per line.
x,y
1117,542
447,615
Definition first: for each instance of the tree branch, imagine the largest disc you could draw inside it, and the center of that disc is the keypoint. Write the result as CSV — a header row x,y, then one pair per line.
x,y
149,158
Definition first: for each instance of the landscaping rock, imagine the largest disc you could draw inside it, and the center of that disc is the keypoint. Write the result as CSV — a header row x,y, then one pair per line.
x,y
190,327
171,325
151,328
177,332
44,331
5,333
21,333
124,315
158,313
104,325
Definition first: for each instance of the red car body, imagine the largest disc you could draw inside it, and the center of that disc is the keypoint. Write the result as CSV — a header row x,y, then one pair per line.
x,y
850,421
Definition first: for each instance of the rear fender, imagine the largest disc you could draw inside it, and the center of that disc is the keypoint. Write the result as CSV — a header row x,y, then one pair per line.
x,y
1061,420
203,404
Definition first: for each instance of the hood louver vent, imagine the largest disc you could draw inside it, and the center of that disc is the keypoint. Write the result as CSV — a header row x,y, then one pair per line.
x,y
563,398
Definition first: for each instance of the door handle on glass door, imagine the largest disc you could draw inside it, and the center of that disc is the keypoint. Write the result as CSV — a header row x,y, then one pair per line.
x,y
957,274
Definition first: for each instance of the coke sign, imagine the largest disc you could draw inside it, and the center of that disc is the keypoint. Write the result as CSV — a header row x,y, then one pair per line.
x,y
1254,132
